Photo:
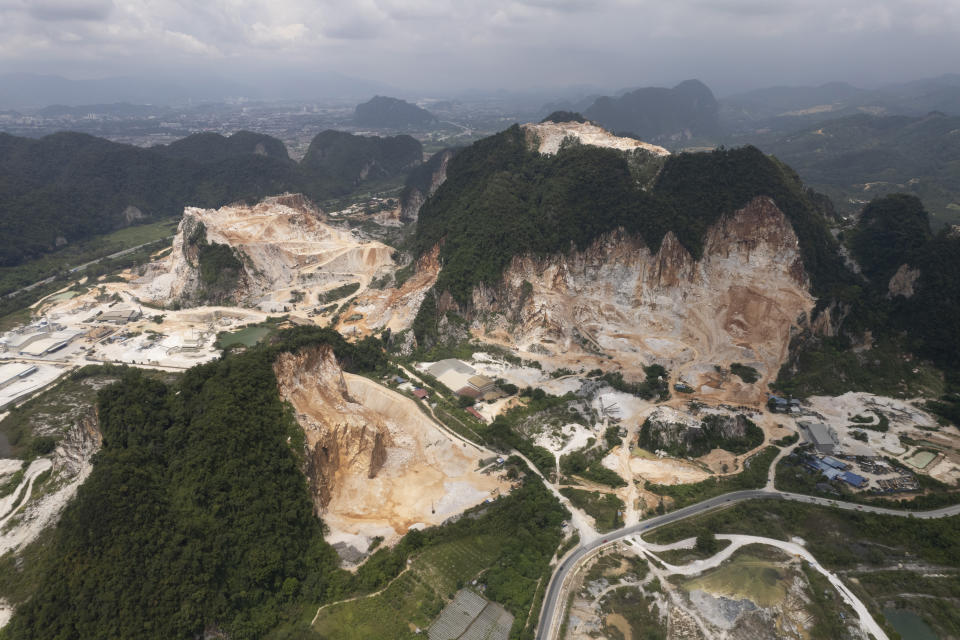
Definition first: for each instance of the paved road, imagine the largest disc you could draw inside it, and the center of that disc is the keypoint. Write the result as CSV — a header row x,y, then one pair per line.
x,y
555,601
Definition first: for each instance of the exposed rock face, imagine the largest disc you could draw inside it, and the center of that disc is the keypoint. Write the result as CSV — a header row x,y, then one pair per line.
x,y
338,441
678,434
282,242
376,464
393,309
546,137
903,281
423,183
736,304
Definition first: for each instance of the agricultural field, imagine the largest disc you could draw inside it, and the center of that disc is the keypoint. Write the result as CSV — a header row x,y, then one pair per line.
x,y
414,598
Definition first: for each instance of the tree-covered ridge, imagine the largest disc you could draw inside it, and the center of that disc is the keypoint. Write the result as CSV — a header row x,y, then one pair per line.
x,y
337,161
894,231
564,116
705,186
501,199
196,518
891,232
213,147
69,186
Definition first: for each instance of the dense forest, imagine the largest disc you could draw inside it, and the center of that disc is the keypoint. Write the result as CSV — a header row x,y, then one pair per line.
x,y
501,199
196,518
69,186
894,231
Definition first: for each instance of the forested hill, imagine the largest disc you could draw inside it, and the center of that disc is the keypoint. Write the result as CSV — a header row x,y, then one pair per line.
x,y
391,113
658,114
67,187
339,161
196,519
501,199
213,147
913,274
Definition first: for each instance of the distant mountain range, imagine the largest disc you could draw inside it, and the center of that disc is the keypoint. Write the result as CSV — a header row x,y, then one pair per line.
x,y
785,108
858,158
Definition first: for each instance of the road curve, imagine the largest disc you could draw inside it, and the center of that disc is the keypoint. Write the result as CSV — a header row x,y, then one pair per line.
x,y
554,602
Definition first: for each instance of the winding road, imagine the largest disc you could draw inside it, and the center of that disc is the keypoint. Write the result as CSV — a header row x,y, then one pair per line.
x,y
551,615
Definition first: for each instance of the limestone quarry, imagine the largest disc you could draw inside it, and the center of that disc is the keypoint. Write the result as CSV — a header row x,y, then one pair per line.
x,y
283,244
547,137
391,308
618,298
377,465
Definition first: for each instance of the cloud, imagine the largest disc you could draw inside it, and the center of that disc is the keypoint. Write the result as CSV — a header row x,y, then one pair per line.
x,y
58,10
278,35
492,43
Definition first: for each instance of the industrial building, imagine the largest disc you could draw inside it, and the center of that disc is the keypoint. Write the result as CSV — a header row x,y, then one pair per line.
x,y
119,315
15,372
776,404
49,343
834,469
823,438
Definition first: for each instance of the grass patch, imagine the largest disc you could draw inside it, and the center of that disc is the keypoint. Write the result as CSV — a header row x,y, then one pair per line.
x,y
746,575
7,486
605,508
342,291
638,610
12,278
753,476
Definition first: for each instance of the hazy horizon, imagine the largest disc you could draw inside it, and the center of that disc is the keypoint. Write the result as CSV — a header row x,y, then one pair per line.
x,y
444,47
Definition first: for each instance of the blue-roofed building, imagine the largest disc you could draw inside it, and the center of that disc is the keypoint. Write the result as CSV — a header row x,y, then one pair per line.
x,y
831,473
836,464
853,479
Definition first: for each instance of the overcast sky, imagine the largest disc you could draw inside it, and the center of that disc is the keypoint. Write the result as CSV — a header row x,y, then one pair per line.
x,y
437,45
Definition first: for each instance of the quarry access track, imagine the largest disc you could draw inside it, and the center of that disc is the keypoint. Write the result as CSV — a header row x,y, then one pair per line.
x,y
551,616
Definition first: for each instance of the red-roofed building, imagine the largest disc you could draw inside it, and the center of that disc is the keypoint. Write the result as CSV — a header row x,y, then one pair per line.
x,y
422,394
475,414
